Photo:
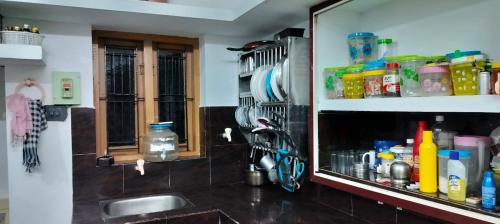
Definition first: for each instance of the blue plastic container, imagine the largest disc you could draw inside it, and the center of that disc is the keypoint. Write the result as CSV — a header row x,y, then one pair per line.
x,y
384,146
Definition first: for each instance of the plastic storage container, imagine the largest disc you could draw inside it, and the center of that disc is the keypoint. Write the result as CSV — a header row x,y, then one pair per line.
x,y
385,48
435,59
334,88
465,76
443,157
410,85
479,149
161,144
385,168
435,80
361,47
353,86
374,83
384,146
402,153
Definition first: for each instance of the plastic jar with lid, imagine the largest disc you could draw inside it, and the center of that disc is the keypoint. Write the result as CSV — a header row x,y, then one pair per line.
x,y
361,47
385,48
464,74
435,80
409,82
331,82
390,85
385,168
160,143
353,86
373,83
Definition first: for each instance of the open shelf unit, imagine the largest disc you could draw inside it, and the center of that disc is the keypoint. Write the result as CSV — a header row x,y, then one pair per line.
x,y
479,103
424,27
21,54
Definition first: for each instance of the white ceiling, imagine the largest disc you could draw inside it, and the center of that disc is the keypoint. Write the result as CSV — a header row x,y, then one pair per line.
x,y
249,18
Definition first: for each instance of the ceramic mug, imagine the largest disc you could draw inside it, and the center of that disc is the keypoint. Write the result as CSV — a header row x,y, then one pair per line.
x,y
371,159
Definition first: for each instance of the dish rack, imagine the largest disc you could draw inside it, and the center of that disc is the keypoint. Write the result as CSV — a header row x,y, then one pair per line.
x,y
271,124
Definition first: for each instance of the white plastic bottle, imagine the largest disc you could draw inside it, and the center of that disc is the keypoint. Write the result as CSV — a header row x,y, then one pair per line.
x,y
457,178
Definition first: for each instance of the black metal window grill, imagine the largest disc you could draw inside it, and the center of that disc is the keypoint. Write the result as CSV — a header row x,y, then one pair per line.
x,y
172,91
121,96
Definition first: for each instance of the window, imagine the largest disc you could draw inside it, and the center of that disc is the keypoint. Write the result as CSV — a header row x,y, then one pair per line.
x,y
140,79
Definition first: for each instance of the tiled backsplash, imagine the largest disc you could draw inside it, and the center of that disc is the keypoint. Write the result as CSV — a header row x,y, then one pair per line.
x,y
221,162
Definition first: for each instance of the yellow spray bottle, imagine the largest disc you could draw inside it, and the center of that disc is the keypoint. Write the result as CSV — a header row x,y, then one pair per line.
x,y
428,164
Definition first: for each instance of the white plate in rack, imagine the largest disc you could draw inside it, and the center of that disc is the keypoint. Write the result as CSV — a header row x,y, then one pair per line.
x,y
274,82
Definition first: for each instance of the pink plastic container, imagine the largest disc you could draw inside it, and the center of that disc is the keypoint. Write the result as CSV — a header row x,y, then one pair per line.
x,y
435,80
479,148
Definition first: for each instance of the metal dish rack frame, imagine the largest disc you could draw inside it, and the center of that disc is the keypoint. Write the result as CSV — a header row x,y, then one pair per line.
x,y
291,112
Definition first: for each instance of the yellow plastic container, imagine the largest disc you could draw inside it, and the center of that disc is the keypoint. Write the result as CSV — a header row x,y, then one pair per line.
x,y
353,86
464,77
428,164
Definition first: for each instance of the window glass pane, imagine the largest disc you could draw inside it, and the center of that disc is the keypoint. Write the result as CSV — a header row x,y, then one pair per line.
x,y
120,92
172,91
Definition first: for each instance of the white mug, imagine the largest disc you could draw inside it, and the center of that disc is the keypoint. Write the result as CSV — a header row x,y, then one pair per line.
x,y
371,158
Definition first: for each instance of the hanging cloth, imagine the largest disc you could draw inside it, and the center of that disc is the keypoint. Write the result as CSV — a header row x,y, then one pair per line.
x,y
21,122
30,146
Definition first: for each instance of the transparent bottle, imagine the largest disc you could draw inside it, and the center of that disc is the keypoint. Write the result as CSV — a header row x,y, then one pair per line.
x,y
438,128
161,144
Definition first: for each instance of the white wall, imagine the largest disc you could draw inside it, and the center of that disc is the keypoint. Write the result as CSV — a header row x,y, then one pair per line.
x,y
45,196
4,181
219,70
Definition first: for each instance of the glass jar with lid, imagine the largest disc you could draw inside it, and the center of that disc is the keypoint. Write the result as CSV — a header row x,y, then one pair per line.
x,y
161,144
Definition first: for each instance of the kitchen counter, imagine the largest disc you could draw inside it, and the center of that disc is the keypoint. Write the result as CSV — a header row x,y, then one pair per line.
x,y
245,204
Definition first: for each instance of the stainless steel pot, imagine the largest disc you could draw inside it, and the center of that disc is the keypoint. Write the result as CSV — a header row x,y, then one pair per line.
x,y
255,177
400,173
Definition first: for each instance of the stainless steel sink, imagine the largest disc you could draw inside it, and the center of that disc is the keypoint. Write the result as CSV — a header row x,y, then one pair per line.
x,y
143,205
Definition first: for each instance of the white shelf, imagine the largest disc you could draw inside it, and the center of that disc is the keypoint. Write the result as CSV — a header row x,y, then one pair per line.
x,y
480,103
15,54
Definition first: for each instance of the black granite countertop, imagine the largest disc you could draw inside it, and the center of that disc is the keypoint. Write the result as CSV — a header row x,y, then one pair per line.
x,y
245,204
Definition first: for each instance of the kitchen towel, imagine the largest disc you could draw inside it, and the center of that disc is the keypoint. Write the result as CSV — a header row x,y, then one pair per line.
x,y
30,146
20,123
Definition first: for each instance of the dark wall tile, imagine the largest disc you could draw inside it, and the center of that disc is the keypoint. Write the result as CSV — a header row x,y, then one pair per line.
x,y
91,182
217,120
371,211
336,199
155,179
86,213
83,130
227,164
189,174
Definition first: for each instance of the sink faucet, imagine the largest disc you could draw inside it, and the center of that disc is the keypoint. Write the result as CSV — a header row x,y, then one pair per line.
x,y
140,166
227,134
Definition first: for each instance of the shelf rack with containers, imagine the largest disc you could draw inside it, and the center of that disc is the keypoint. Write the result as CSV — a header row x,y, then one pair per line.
x,y
291,113
424,27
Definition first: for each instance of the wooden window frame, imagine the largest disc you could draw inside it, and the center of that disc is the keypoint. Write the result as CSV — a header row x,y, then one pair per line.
x,y
146,69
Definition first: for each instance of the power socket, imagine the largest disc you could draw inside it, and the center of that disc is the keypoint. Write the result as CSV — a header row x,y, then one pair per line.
x,y
56,113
